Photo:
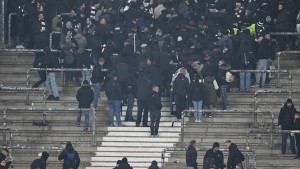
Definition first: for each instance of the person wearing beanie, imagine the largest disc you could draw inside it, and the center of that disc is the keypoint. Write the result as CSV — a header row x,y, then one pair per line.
x,y
41,162
124,164
286,122
214,158
70,157
85,97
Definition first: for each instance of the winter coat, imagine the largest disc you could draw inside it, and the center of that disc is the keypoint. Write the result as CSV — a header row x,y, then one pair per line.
x,y
282,22
234,157
85,96
191,157
216,157
122,71
221,78
97,74
210,92
113,91
81,41
124,166
197,91
181,85
266,50
36,28
286,117
63,156
297,127
154,102
144,84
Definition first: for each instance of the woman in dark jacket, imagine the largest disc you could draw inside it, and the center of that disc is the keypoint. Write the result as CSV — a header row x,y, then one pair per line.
x,y
197,95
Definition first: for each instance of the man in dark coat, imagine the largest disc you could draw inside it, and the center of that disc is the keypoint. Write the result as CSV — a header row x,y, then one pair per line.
x,y
191,156
214,157
235,157
85,97
41,31
181,88
124,164
155,106
70,157
98,76
286,122
144,84
41,162
297,135
114,94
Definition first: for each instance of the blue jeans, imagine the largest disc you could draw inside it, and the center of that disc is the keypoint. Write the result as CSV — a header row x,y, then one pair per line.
x,y
51,84
114,110
86,118
245,77
198,107
261,65
190,167
224,96
130,102
43,77
97,89
86,74
284,137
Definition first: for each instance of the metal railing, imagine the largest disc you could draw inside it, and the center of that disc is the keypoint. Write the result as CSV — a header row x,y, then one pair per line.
x,y
248,150
278,71
278,54
27,89
257,92
44,110
225,112
284,33
9,27
270,131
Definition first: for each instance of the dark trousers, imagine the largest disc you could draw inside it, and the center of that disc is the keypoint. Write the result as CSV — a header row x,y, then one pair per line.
x,y
155,119
180,102
297,137
142,106
42,75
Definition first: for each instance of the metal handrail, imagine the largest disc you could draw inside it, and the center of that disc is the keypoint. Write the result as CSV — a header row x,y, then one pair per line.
x,y
27,89
50,40
271,91
9,27
278,71
271,132
278,54
284,33
32,109
225,112
2,20
247,151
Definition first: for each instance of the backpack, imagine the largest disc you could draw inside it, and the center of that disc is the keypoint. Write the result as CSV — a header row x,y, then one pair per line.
x,y
70,160
36,164
68,56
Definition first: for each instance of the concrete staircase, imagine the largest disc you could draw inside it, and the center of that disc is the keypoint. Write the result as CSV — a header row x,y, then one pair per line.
x,y
113,143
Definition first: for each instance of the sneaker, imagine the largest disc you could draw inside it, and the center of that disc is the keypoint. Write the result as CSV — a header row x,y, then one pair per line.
x,y
199,121
111,125
156,135
137,125
196,121
255,86
78,125
86,129
146,125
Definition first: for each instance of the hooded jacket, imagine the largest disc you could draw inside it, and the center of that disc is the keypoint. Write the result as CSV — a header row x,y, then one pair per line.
x,y
286,116
85,96
63,156
191,157
234,157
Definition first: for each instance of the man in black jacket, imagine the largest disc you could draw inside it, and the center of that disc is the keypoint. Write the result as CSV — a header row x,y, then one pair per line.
x,y
181,88
191,156
85,97
214,157
41,162
51,61
115,96
40,30
286,122
155,106
235,157
98,76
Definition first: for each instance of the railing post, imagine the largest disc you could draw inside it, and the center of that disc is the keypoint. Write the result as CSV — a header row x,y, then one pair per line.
x,y
2,21
4,126
272,129
27,102
182,127
134,43
163,153
94,126
278,68
255,109
290,84
9,27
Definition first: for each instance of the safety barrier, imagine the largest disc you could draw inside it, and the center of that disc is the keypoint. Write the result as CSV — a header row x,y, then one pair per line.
x,y
226,112
279,54
225,152
271,91
278,71
27,89
45,110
